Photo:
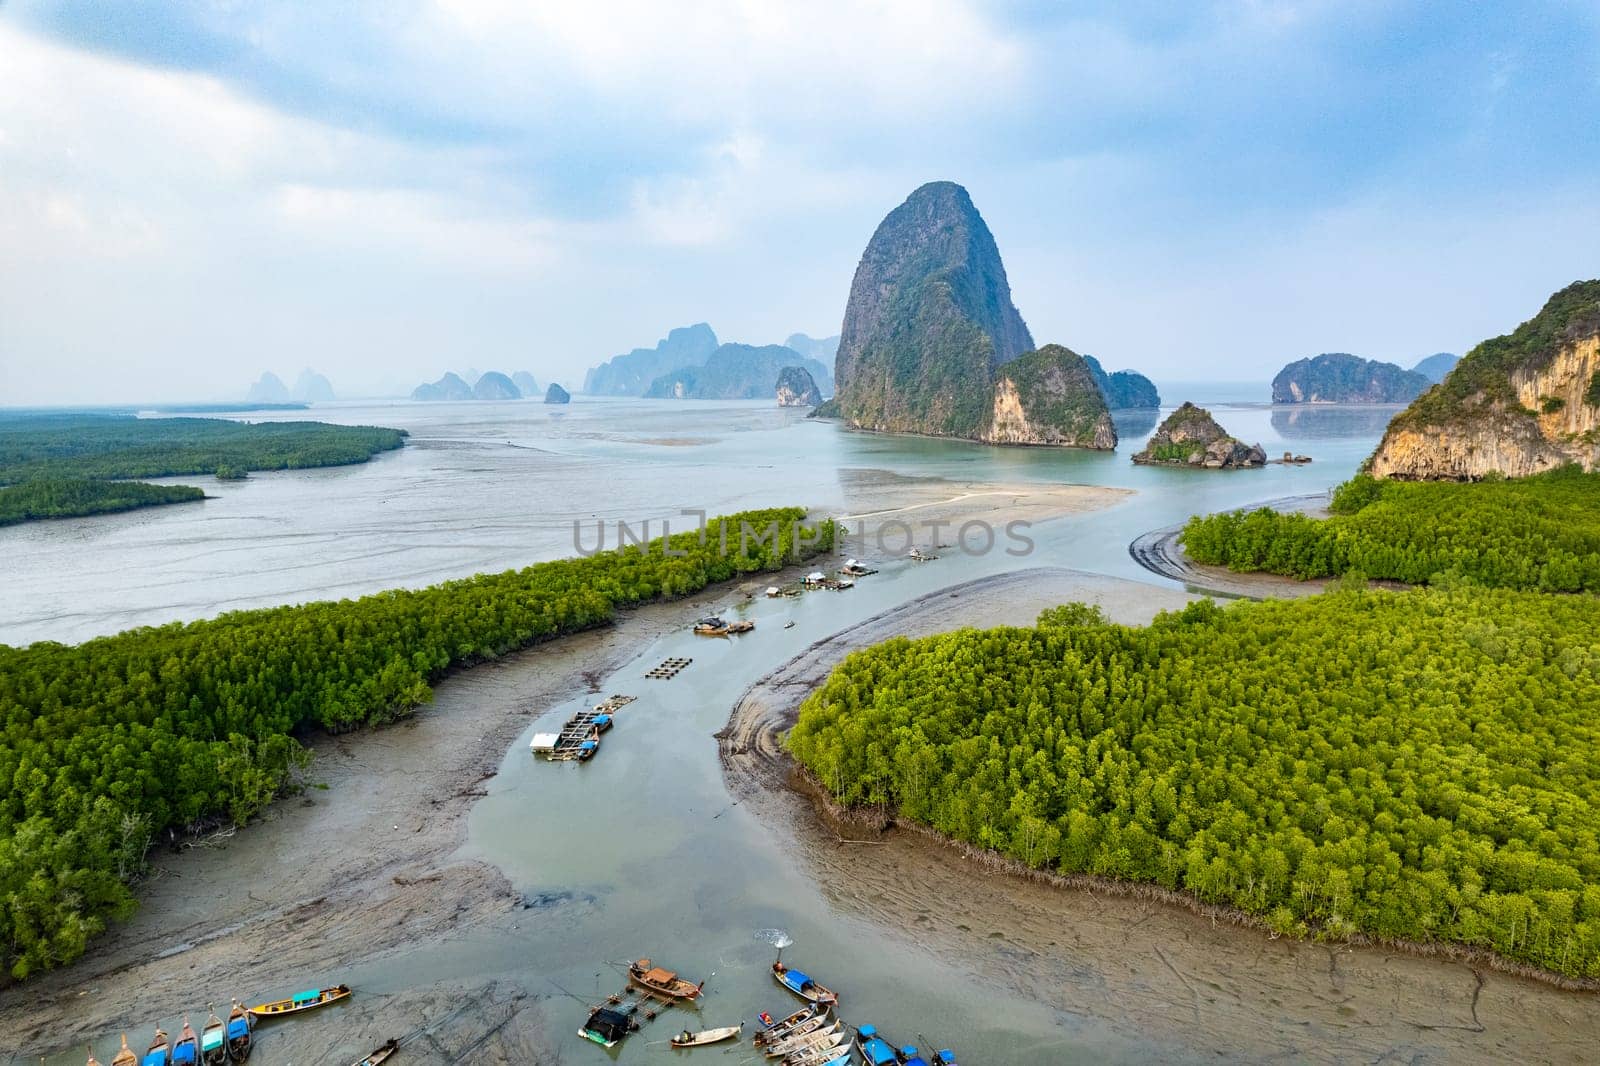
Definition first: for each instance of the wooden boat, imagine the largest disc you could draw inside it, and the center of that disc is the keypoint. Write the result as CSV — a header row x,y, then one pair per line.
x,y
240,1040
875,1051
125,1057
607,1026
300,1002
826,1036
774,1030
160,1053
214,1042
186,1049
810,1025
836,1055
387,1051
92,1060
716,627
802,985
662,982
706,1036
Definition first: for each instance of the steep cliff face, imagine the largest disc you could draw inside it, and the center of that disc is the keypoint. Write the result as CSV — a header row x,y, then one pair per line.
x,y
1191,437
1049,397
1338,377
797,388
929,319
1515,405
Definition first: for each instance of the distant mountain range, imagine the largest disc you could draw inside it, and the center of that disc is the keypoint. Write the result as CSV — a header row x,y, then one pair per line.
x,y
309,387
735,372
492,385
1436,366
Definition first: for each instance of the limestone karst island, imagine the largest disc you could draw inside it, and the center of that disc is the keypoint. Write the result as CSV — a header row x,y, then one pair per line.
x,y
817,534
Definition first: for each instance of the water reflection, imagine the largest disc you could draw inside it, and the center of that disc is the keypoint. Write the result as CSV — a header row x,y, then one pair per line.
x,y
1328,422
1134,421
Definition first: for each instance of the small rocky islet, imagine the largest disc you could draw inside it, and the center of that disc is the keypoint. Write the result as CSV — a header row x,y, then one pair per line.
x,y
1191,437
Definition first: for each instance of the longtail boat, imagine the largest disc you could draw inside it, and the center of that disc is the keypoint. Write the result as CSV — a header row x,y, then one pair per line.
x,y
240,1042
836,1055
706,1036
813,1024
92,1060
300,1001
214,1042
802,985
662,982
160,1053
775,1030
125,1057
824,1037
186,1049
875,1051
389,1049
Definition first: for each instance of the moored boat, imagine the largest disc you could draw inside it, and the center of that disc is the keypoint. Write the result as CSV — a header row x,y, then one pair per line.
x,y
240,1040
382,1054
775,1030
662,982
875,1051
300,1002
186,1049
706,1036
160,1053
822,1055
828,1036
810,1025
125,1057
214,1042
607,1026
802,985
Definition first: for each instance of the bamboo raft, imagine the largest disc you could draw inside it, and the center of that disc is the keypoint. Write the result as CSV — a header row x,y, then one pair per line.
x,y
668,669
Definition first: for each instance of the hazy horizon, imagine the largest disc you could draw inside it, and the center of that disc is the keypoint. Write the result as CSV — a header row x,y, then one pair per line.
x,y
191,194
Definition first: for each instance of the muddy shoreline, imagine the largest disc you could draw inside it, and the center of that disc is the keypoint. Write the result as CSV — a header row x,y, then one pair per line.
x,y
363,866
1137,959
1159,552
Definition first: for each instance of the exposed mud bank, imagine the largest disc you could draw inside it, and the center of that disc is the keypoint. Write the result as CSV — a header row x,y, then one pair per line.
x,y
1132,959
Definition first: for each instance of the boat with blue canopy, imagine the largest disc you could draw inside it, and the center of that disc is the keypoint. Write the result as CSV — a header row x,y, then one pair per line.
x,y
240,1040
875,1051
160,1053
186,1049
802,984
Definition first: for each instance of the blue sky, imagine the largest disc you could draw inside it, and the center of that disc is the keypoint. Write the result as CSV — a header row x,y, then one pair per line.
x,y
191,193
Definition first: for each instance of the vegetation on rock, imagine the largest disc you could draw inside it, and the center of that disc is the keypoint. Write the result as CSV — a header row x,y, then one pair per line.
x,y
1124,390
928,320
1421,766
796,388
1050,397
104,745
1338,377
631,374
1189,436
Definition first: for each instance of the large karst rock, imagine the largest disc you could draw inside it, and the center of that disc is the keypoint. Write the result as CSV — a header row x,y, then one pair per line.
x,y
1191,437
268,389
556,394
312,387
929,320
1049,397
1338,377
1124,390
797,388
1515,405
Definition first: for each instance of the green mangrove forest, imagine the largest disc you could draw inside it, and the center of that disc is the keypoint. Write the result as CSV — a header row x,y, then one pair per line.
x,y
1540,532
107,744
1420,766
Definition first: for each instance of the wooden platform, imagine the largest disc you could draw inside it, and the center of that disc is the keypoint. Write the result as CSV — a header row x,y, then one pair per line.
x,y
668,669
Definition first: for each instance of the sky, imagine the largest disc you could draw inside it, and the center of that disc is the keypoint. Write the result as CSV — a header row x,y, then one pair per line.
x,y
194,192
